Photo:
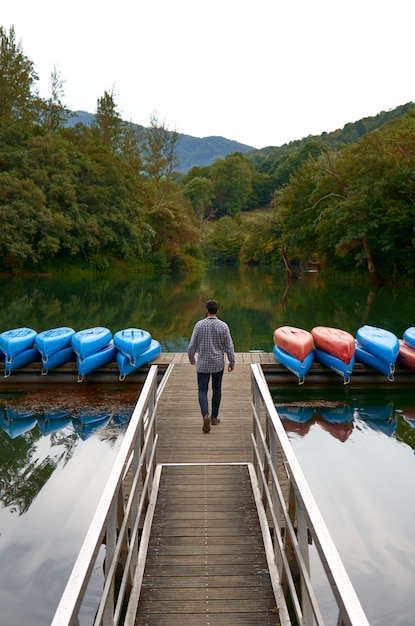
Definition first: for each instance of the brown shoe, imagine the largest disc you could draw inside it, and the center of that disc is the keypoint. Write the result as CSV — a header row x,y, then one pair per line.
x,y
206,424
214,421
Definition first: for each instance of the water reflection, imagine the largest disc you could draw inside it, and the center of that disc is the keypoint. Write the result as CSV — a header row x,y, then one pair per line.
x,y
56,451
338,421
357,454
254,301
23,473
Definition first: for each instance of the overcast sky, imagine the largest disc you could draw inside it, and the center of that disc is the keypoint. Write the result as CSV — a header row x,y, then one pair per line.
x,y
264,72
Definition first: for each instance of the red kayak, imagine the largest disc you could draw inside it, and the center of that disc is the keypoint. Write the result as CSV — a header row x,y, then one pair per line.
x,y
409,413
406,355
334,341
296,341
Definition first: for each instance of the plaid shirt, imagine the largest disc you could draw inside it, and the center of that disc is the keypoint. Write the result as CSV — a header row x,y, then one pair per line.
x,y
211,338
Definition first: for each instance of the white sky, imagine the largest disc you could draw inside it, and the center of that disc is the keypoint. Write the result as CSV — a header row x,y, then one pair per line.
x,y
262,73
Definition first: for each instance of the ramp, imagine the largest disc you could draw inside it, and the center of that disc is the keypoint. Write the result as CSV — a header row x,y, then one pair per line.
x,y
206,562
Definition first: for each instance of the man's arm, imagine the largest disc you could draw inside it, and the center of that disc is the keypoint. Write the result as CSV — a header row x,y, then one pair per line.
x,y
229,349
191,350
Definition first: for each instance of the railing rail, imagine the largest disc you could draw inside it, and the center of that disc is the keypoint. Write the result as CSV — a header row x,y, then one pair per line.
x,y
116,521
296,522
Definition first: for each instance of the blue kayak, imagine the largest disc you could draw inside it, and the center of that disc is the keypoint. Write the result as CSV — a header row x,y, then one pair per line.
x,y
382,412
132,342
89,417
87,429
16,427
126,367
49,342
87,342
336,414
295,413
52,422
299,368
370,359
97,359
409,337
380,342
334,363
17,340
21,359
66,355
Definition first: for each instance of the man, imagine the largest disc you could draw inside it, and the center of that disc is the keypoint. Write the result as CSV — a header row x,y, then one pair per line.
x,y
211,338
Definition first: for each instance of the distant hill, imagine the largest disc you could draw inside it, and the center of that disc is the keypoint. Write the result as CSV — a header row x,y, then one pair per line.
x,y
195,151
352,131
191,151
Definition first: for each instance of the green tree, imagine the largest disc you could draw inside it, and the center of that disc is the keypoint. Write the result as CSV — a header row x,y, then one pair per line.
x,y
112,219
18,100
28,228
199,191
158,150
263,243
223,241
49,167
355,206
108,121
232,184
262,190
54,112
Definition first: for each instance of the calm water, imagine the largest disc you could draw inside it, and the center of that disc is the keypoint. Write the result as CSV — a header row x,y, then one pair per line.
x,y
253,301
55,455
360,464
358,457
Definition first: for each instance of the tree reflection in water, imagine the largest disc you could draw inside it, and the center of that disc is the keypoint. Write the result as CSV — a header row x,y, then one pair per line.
x,y
61,418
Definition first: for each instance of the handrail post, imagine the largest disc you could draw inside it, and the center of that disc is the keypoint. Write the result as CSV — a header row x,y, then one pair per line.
x,y
115,522
303,523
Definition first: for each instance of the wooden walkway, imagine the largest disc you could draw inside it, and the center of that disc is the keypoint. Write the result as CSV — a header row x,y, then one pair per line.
x,y
206,561
206,564
179,422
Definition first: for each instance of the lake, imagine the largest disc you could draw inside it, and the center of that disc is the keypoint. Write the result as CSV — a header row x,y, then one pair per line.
x,y
360,466
56,452
356,448
254,301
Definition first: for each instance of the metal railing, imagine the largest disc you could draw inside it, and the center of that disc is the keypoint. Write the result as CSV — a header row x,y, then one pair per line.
x,y
296,524
117,519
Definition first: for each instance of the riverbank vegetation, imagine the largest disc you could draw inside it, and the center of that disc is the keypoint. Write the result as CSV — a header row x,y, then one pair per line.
x,y
108,194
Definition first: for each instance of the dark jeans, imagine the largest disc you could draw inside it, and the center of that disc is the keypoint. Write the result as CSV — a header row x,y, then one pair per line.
x,y
203,385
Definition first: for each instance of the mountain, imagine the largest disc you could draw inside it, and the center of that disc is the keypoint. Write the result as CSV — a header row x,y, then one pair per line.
x,y
352,131
191,151
196,151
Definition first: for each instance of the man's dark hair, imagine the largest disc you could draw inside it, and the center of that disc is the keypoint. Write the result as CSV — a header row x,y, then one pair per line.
x,y
212,307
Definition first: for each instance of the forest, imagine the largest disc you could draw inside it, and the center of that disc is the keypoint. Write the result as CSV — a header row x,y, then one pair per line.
x,y
109,194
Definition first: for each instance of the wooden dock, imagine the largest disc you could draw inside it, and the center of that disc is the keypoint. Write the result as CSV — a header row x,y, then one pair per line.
x,y
206,563
275,373
206,560
179,421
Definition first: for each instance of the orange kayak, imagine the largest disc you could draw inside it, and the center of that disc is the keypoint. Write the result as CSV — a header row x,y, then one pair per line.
x,y
296,341
334,341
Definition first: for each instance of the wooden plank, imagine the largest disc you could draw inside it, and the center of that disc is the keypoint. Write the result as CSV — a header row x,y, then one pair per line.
x,y
206,561
179,421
